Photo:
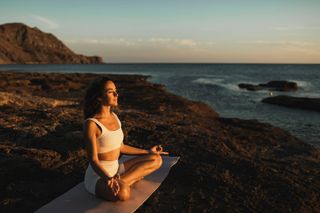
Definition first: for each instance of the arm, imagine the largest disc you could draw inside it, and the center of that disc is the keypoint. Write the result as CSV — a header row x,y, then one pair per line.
x,y
130,150
126,149
90,130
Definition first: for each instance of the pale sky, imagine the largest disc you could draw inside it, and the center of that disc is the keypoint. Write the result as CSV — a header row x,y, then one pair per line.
x,y
212,31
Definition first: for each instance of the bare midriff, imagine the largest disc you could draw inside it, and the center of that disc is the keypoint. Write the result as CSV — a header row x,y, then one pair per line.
x,y
110,156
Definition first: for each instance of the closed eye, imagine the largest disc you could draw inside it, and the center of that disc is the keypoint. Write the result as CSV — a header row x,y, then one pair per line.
x,y
111,91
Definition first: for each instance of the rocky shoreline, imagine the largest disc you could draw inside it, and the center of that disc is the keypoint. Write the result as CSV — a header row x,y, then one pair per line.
x,y
226,164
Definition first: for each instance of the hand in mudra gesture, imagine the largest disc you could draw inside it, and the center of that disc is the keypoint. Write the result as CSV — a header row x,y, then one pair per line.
x,y
114,185
158,150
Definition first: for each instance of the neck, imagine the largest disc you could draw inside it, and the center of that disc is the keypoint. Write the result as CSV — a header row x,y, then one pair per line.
x,y
105,112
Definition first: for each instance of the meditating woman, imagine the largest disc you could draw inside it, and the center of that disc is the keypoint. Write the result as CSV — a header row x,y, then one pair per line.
x,y
105,177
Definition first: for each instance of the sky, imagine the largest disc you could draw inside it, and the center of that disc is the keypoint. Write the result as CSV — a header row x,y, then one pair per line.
x,y
173,31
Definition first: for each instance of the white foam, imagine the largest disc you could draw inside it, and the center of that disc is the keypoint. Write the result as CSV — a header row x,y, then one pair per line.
x,y
303,84
212,81
219,82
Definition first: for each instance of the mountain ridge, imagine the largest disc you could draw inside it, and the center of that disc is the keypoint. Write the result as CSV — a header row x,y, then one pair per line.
x,y
21,44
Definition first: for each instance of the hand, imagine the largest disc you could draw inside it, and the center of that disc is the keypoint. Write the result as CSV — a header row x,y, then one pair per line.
x,y
114,185
158,150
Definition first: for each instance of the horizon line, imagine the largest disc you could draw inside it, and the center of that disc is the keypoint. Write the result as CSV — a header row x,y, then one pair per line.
x,y
243,63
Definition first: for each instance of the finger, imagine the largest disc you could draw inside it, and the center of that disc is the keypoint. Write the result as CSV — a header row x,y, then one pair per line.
x,y
165,153
116,188
115,192
113,183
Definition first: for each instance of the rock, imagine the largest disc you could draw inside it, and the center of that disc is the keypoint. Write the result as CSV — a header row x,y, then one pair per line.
x,y
22,44
272,85
74,135
226,164
295,102
281,85
250,87
7,99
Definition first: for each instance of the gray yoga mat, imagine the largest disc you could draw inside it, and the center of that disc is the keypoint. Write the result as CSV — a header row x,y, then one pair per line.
x,y
78,199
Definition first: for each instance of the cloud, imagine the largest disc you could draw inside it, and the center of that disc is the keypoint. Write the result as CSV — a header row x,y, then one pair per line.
x,y
112,41
46,22
294,28
303,47
161,42
187,50
281,43
186,42
176,42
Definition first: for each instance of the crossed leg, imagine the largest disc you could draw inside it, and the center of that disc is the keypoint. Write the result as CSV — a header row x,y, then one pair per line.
x,y
135,169
139,167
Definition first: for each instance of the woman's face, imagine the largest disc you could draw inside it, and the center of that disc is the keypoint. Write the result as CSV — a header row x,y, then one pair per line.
x,y
110,95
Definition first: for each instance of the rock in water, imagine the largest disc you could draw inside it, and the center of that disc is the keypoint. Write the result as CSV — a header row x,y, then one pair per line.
x,y
271,85
294,102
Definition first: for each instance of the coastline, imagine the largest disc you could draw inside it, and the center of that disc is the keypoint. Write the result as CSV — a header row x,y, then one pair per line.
x,y
225,164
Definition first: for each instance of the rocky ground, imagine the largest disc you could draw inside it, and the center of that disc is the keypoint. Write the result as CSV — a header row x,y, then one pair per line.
x,y
226,164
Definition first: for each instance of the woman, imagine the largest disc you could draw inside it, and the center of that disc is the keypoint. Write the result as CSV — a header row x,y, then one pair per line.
x,y
105,177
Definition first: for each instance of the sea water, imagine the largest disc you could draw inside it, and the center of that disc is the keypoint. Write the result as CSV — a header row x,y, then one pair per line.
x,y
217,85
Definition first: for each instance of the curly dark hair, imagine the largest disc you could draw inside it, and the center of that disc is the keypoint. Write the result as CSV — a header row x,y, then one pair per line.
x,y
92,102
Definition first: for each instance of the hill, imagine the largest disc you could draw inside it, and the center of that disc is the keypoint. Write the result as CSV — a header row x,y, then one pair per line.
x,y
21,44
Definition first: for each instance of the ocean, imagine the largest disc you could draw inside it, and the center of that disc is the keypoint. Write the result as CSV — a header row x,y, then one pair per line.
x,y
217,85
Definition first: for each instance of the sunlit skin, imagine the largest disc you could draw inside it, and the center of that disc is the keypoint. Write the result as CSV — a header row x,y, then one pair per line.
x,y
113,188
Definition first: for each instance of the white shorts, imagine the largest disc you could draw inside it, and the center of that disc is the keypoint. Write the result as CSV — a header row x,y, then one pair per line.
x,y
91,177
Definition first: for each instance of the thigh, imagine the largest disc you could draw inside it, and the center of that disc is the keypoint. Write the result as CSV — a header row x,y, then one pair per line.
x,y
129,163
104,192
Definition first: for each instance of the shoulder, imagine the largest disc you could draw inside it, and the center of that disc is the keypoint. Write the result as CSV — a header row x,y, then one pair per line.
x,y
90,129
89,124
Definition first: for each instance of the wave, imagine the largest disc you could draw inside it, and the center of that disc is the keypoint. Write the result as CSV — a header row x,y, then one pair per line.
x,y
304,85
217,82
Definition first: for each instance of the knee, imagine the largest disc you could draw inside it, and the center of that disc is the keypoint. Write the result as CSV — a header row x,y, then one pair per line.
x,y
124,193
157,161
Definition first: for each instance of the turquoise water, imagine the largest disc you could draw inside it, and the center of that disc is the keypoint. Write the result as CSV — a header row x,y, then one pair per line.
x,y
216,84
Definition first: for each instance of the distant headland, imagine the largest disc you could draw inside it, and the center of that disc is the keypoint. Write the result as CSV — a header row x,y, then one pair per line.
x,y
21,44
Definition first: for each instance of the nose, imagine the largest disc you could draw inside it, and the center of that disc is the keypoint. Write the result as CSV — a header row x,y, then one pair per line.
x,y
115,94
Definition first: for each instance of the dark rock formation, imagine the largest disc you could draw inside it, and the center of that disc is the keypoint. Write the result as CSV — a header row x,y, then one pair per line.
x,y
20,44
226,164
272,85
250,87
281,85
294,102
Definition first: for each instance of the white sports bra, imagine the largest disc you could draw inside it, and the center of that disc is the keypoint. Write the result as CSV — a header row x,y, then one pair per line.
x,y
108,140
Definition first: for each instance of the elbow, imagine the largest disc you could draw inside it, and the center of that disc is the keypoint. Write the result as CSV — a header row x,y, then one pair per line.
x,y
122,148
93,161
